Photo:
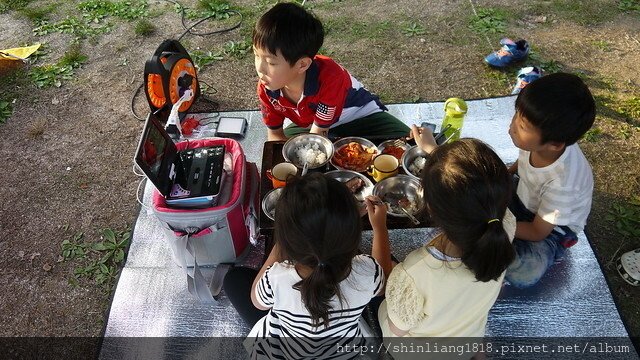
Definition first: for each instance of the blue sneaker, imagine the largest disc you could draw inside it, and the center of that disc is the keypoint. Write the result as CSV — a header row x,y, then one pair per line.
x,y
510,53
526,76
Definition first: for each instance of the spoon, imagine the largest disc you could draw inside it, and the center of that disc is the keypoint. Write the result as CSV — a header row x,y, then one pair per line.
x,y
411,217
305,168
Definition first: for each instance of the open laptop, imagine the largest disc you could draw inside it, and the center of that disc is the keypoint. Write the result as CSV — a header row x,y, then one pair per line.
x,y
189,178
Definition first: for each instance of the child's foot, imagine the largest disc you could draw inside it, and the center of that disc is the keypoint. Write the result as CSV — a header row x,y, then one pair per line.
x,y
510,53
526,76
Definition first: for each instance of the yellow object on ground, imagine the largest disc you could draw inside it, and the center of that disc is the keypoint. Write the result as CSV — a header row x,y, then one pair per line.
x,y
18,53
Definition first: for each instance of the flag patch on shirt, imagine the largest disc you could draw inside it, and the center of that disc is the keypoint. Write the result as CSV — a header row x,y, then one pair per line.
x,y
324,112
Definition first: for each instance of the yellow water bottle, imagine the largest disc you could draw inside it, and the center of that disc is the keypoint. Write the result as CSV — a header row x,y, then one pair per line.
x,y
454,111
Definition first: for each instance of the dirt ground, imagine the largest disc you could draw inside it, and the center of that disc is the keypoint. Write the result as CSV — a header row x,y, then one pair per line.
x,y
68,150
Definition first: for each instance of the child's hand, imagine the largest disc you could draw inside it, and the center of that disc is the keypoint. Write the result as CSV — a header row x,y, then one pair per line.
x,y
377,211
424,138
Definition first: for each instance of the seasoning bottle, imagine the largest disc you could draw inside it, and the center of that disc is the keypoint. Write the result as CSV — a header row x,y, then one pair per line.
x,y
454,111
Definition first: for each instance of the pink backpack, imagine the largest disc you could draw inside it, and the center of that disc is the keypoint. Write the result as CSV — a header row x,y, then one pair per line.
x,y
217,235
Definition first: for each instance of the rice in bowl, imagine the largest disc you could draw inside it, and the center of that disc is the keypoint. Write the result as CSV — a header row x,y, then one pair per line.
x,y
310,153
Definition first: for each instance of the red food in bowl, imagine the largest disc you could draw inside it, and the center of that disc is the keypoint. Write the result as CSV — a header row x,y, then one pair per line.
x,y
396,151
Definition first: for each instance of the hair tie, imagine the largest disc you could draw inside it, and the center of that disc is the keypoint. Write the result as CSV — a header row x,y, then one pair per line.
x,y
322,264
493,220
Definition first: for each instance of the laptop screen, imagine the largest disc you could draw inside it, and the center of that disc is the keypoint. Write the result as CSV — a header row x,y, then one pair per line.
x,y
155,155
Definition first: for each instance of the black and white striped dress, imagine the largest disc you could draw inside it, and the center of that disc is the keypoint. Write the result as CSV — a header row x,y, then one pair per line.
x,y
286,332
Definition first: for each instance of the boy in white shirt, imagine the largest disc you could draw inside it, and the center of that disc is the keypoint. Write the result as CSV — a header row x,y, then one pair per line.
x,y
555,186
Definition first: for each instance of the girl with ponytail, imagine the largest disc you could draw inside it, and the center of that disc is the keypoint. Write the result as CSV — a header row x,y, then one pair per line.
x,y
314,285
447,287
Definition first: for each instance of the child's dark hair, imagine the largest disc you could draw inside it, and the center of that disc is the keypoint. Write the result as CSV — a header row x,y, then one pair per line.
x,y
318,225
466,187
288,27
560,105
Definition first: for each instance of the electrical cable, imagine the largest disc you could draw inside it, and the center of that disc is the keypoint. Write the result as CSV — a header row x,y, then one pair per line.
x,y
188,30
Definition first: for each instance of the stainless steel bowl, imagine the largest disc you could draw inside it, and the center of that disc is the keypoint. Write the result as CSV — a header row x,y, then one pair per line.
x,y
386,143
362,141
409,157
269,202
289,149
346,175
394,188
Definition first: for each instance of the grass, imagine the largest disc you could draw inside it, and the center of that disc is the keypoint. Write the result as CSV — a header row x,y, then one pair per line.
x,y
501,78
590,12
6,5
349,29
6,110
36,130
602,45
626,217
488,21
414,29
97,10
593,134
629,5
202,59
97,262
621,109
237,49
37,14
144,28
71,25
549,66
54,74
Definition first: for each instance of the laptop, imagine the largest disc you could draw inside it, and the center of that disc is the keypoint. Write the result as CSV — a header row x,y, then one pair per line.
x,y
190,178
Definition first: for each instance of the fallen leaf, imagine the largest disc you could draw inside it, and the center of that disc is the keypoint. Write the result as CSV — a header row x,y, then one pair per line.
x,y
60,258
34,255
47,267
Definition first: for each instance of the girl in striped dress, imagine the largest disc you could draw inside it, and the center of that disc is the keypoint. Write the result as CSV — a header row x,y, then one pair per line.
x,y
315,284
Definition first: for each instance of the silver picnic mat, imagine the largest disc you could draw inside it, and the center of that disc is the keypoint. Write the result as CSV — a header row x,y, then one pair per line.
x,y
151,299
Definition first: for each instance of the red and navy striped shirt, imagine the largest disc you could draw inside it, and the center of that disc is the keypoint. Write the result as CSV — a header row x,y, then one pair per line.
x,y
331,97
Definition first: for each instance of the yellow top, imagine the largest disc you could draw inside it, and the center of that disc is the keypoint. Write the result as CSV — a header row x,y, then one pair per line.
x,y
436,298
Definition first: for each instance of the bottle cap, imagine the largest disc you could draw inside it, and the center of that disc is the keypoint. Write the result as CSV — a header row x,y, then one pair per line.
x,y
455,106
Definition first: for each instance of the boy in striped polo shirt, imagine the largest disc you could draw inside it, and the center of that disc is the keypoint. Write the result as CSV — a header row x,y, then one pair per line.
x,y
555,186
313,91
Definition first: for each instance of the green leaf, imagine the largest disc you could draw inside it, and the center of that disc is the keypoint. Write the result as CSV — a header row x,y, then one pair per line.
x,y
109,235
99,246
119,256
123,243
104,268
106,257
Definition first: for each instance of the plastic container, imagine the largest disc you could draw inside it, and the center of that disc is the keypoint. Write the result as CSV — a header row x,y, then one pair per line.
x,y
454,111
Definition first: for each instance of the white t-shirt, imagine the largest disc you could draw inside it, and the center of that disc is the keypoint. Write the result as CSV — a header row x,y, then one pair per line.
x,y
289,318
559,193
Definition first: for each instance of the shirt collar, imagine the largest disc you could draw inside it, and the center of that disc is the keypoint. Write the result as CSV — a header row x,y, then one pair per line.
x,y
311,83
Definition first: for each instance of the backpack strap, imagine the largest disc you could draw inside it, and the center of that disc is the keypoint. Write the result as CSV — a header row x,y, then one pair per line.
x,y
196,282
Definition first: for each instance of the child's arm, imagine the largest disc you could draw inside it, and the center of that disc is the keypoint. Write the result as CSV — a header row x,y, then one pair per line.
x,y
537,230
323,131
424,138
513,168
380,248
276,135
274,256
394,329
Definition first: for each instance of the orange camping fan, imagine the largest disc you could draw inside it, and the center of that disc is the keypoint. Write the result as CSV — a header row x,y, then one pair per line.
x,y
167,75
